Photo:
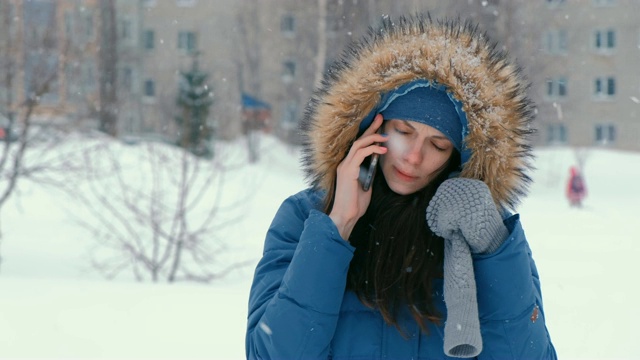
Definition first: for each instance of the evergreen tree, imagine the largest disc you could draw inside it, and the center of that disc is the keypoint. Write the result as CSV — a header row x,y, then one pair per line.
x,y
194,100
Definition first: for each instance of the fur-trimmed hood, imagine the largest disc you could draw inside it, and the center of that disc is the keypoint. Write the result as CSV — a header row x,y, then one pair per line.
x,y
492,91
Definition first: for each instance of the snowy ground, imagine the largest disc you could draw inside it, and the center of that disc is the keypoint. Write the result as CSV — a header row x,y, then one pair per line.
x,y
52,305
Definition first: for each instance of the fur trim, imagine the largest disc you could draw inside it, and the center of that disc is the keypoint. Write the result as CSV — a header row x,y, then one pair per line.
x,y
453,53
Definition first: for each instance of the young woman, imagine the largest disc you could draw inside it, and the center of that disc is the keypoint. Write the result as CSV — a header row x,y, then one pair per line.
x,y
429,262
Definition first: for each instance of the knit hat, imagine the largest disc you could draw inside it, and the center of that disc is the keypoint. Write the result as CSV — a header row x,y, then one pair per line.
x,y
427,103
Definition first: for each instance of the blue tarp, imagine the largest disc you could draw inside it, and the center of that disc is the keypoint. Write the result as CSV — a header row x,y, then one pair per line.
x,y
249,102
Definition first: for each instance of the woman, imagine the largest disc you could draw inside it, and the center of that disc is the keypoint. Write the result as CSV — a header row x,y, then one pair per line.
x,y
428,263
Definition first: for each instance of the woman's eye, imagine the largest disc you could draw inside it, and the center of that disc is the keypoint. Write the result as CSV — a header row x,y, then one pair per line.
x,y
440,148
401,132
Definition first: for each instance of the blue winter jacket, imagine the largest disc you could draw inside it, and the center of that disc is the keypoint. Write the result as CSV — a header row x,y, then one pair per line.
x,y
299,309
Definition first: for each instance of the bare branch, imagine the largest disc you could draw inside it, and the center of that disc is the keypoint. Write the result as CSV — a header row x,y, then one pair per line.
x,y
162,225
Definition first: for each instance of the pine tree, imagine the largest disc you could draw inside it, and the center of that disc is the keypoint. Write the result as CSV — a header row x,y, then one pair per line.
x,y
194,100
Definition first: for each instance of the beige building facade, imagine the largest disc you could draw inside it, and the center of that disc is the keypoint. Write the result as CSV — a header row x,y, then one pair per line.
x,y
587,79
48,43
173,35
581,56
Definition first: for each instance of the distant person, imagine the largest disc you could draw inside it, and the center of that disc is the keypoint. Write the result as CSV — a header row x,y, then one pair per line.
x,y
427,263
576,188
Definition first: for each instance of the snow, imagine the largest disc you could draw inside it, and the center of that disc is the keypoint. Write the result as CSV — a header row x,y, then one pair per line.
x,y
54,305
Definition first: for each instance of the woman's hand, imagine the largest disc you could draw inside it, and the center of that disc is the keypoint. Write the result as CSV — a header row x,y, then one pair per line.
x,y
465,207
350,201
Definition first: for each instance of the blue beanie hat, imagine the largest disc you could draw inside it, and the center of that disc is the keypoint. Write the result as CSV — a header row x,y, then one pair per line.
x,y
429,104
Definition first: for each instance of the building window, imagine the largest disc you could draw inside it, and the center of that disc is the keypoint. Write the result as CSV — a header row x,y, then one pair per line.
x,y
88,24
556,41
126,32
604,40
332,26
40,58
41,69
605,134
335,22
127,78
556,134
68,25
10,10
149,39
289,70
288,24
149,88
4,92
89,82
604,2
289,115
71,81
186,3
605,87
555,2
557,88
187,41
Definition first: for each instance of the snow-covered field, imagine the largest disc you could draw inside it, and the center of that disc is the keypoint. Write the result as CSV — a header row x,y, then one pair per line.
x,y
54,305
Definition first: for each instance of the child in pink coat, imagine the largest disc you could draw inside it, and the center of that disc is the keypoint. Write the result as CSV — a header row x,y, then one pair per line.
x,y
576,188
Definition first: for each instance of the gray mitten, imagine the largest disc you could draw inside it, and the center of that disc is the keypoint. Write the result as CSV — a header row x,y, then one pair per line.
x,y
463,213
465,206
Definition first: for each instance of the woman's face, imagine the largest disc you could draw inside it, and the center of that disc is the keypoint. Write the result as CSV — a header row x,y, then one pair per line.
x,y
416,154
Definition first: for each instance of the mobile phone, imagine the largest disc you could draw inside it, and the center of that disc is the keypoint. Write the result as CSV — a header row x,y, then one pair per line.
x,y
368,171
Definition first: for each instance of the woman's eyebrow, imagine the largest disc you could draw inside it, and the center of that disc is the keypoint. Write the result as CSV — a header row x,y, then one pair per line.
x,y
406,122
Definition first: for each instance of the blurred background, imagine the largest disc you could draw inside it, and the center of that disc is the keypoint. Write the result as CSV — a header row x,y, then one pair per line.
x,y
145,146
119,66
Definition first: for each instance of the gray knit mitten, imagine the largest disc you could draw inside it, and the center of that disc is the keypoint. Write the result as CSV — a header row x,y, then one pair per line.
x,y
465,206
463,213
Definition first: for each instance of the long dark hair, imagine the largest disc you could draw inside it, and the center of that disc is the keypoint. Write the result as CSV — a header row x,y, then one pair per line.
x,y
397,256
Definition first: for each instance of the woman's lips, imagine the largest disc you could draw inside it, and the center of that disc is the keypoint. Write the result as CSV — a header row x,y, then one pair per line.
x,y
403,176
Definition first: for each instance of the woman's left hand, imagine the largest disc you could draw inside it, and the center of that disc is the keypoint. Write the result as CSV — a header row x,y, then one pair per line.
x,y
465,207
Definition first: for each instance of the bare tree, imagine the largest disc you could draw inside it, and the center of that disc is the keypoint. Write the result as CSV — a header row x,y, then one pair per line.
x,y
321,54
157,212
40,82
248,63
250,47
107,64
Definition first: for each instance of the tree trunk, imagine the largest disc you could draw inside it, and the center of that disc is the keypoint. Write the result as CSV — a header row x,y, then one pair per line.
x,y
321,55
107,63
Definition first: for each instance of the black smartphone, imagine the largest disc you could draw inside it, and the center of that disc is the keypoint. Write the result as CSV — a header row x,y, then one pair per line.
x,y
368,168
368,171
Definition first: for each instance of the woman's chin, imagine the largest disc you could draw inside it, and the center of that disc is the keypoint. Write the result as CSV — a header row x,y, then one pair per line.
x,y
401,189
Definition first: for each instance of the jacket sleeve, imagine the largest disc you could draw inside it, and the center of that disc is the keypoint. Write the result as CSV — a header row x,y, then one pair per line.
x,y
298,285
512,319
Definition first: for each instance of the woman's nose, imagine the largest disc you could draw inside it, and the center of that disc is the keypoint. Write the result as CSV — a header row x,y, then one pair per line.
x,y
413,154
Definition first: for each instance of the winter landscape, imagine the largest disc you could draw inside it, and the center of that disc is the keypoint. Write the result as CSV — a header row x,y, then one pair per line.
x,y
54,304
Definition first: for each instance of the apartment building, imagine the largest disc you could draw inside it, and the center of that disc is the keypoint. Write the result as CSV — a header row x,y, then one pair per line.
x,y
33,38
175,34
304,38
581,56
300,43
57,44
